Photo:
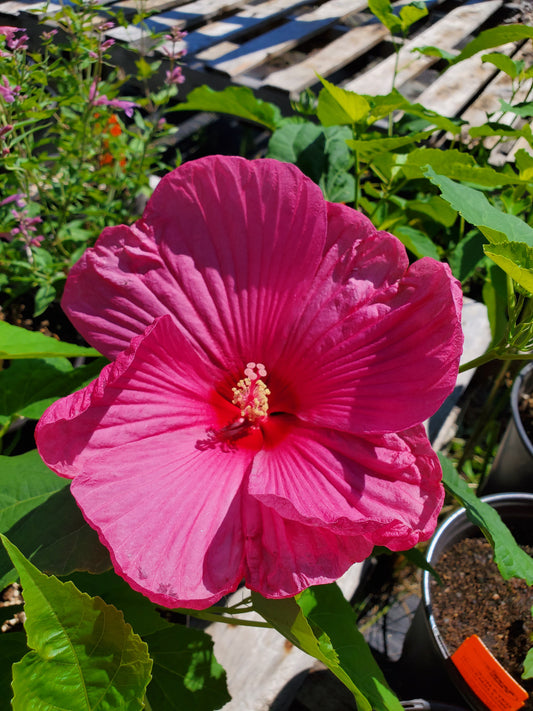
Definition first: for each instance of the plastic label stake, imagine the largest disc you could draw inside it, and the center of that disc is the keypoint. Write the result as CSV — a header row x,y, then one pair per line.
x,y
487,678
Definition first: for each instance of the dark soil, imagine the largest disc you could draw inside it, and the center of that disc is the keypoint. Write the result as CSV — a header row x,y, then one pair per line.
x,y
474,598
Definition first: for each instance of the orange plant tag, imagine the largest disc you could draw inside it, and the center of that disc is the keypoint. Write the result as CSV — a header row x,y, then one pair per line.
x,y
487,678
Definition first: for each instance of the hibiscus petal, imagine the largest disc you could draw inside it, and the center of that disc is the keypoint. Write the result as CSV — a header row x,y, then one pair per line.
x,y
385,487
162,497
284,557
227,246
378,344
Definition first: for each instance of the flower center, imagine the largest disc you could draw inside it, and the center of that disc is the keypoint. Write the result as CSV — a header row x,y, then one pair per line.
x,y
251,394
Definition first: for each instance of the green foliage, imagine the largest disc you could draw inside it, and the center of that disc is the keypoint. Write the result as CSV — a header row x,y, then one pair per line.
x,y
336,106
511,560
407,16
16,342
53,535
237,101
67,131
322,623
83,655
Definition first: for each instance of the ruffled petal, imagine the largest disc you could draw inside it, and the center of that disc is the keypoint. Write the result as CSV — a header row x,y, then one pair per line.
x,y
227,246
378,345
385,487
162,495
284,557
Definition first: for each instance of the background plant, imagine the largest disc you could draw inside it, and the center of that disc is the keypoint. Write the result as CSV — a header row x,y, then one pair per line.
x,y
77,151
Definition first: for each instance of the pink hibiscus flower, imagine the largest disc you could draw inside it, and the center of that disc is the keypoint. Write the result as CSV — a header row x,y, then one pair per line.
x,y
273,358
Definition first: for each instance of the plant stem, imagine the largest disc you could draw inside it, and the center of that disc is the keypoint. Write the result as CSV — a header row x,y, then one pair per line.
x,y
213,617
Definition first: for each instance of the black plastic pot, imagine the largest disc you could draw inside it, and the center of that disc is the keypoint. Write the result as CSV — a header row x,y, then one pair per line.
x,y
425,652
513,466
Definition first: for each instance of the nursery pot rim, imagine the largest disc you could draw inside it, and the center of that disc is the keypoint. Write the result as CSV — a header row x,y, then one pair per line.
x,y
515,399
449,524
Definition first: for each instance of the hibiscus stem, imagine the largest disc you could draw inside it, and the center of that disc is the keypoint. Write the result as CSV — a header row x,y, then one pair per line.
x,y
214,617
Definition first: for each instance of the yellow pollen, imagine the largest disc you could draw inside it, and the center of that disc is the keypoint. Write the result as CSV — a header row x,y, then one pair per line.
x,y
251,393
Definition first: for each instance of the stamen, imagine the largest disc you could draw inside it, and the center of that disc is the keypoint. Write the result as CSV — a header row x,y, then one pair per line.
x,y
251,393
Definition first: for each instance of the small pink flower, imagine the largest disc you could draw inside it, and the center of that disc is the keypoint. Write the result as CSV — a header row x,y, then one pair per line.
x,y
17,198
9,31
274,357
175,76
8,92
101,100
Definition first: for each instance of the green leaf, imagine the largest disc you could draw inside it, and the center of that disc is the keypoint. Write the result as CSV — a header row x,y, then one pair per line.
x,y
394,101
44,296
497,226
55,536
18,342
321,153
409,14
511,560
499,129
237,101
516,260
339,107
453,164
503,63
186,674
368,148
138,610
84,656
29,386
382,9
416,242
528,663
435,207
322,623
25,483
524,163
494,37
12,648
467,255
495,298
524,109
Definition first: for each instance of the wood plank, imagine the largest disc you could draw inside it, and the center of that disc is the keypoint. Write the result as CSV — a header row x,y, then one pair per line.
x,y
488,102
455,88
283,38
190,14
148,6
337,54
251,18
445,34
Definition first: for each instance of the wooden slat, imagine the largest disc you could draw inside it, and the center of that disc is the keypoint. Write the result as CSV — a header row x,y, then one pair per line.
x,y
488,102
251,18
193,13
283,38
445,34
337,54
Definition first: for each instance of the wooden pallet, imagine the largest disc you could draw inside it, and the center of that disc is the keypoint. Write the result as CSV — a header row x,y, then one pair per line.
x,y
277,47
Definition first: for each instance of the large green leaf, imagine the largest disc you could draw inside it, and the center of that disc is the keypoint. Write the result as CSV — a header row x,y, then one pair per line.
x,y
528,663
84,656
29,386
516,259
321,153
494,37
16,342
511,560
368,148
497,226
383,105
237,101
322,623
495,298
339,107
416,242
55,536
467,255
453,164
138,610
25,483
186,674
